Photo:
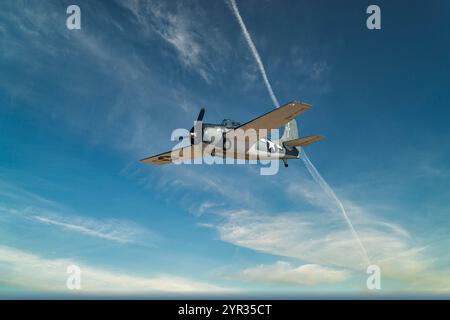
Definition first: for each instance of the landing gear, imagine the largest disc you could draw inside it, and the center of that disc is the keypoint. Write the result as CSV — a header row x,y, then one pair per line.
x,y
285,163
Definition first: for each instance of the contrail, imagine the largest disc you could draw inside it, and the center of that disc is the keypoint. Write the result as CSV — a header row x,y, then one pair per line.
x,y
329,191
311,168
255,53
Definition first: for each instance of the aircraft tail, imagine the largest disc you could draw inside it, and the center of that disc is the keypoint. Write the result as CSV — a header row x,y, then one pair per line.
x,y
290,131
291,137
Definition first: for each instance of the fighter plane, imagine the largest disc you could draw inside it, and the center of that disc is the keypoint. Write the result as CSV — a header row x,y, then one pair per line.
x,y
250,139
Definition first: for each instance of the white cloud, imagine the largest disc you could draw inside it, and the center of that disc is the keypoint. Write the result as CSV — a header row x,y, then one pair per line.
x,y
314,234
311,67
16,194
212,182
120,119
22,204
283,273
310,192
110,229
317,69
20,268
189,31
175,29
319,236
310,239
205,207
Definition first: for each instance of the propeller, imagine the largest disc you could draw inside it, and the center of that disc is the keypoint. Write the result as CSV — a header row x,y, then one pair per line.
x,y
191,132
201,114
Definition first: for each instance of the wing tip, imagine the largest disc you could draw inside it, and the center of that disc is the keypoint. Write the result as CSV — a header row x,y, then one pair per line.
x,y
303,104
320,137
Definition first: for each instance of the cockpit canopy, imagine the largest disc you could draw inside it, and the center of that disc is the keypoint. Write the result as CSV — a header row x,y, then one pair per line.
x,y
228,123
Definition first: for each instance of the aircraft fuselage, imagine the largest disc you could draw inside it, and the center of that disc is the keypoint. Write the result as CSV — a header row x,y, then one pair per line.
x,y
246,146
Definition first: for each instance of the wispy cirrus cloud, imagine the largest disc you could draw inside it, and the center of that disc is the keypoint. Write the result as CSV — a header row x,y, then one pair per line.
x,y
109,229
117,114
283,272
31,271
18,203
186,27
312,68
312,232
314,240
216,184
317,235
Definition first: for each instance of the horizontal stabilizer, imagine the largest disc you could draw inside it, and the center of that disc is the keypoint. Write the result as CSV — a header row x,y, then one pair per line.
x,y
303,142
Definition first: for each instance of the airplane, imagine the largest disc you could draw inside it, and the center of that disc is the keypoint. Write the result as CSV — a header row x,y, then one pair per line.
x,y
251,138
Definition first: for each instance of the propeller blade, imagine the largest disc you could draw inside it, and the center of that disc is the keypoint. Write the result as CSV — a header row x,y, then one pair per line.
x,y
201,114
199,119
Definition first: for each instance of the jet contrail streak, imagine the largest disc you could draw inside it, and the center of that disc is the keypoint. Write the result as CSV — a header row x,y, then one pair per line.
x,y
329,191
255,53
311,168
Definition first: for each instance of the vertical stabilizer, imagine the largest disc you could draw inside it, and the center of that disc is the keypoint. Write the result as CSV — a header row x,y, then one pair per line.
x,y
290,131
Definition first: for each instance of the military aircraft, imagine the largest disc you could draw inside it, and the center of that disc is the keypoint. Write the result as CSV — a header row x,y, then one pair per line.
x,y
250,139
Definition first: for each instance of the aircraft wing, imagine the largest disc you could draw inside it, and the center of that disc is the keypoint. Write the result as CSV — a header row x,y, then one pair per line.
x,y
276,118
175,156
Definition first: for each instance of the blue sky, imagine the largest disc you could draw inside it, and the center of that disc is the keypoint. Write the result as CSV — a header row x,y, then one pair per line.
x,y
78,109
